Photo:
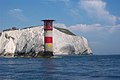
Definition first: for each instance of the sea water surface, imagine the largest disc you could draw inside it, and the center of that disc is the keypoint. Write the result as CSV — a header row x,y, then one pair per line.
x,y
96,67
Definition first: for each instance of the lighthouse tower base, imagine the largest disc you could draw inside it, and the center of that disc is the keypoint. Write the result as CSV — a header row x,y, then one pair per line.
x,y
47,54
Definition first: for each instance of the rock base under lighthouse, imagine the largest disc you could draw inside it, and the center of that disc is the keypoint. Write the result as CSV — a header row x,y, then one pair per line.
x,y
47,54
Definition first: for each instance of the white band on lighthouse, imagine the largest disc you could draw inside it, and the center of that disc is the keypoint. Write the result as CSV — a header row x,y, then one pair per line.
x,y
48,33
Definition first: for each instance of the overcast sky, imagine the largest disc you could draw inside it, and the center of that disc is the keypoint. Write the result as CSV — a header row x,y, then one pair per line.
x,y
96,20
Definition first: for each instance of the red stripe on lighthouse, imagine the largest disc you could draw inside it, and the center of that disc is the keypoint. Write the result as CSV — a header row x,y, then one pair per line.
x,y
48,40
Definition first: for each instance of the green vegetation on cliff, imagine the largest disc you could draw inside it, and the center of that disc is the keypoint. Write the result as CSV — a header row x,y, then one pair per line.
x,y
65,31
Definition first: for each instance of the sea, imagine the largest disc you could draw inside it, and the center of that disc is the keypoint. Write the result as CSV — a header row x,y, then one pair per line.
x,y
94,67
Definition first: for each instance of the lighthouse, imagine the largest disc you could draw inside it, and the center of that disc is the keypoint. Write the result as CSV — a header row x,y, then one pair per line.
x,y
48,38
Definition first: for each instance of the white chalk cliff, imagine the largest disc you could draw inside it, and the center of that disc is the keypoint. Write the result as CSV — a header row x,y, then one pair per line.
x,y
32,40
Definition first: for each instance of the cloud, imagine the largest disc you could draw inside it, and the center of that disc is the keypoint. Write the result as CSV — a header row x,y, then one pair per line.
x,y
90,28
94,28
97,9
81,27
115,28
60,25
86,28
18,14
118,18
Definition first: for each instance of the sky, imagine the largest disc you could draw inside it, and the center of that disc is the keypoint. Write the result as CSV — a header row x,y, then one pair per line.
x,y
96,20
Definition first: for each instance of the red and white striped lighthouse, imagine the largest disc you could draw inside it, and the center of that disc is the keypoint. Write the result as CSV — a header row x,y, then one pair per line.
x,y
48,37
